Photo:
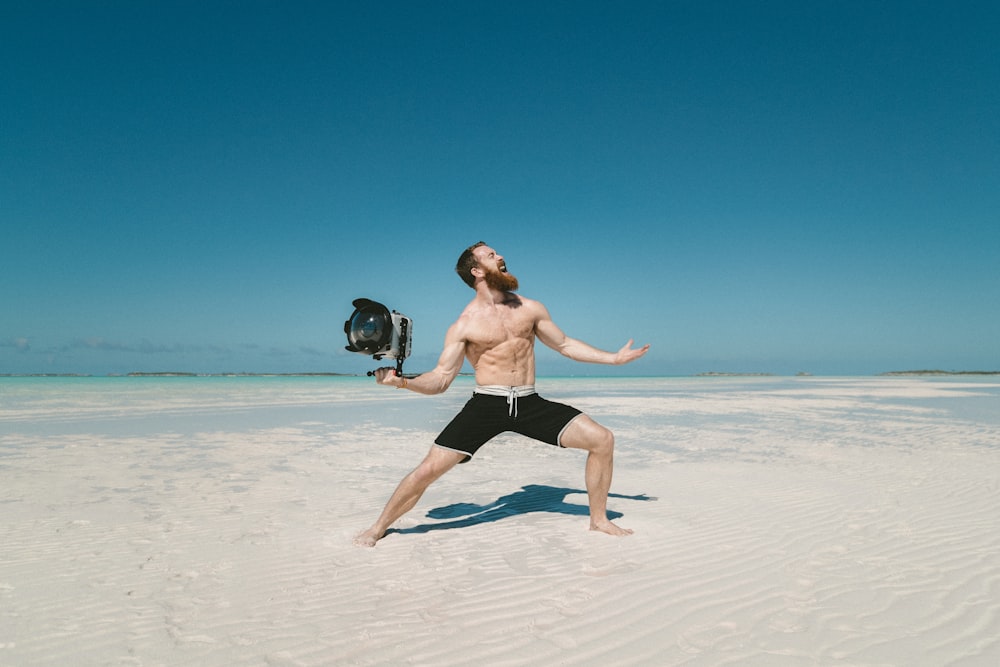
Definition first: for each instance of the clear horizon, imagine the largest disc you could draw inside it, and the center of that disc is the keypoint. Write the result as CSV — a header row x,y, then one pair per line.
x,y
769,187
930,372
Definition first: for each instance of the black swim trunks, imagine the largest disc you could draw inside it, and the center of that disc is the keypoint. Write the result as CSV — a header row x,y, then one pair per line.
x,y
487,415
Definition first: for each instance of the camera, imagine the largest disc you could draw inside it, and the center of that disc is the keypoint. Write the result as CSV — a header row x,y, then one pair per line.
x,y
373,330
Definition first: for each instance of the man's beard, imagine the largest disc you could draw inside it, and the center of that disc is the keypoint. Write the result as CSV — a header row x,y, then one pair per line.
x,y
498,280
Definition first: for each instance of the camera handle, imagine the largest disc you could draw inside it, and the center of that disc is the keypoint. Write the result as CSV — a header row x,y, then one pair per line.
x,y
399,369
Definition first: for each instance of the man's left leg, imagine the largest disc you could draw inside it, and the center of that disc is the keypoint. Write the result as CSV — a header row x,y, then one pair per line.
x,y
584,433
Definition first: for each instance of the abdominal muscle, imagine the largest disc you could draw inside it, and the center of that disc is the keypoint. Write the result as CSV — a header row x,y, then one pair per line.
x,y
512,363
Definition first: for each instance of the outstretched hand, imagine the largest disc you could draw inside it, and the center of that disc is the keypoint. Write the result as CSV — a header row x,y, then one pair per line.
x,y
627,354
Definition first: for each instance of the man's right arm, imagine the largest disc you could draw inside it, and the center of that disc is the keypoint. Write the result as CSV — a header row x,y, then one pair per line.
x,y
435,381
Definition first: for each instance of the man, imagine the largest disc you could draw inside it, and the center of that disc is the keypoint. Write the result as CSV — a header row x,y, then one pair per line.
x,y
497,332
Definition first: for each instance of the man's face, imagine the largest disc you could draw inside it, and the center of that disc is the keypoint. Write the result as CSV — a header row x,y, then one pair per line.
x,y
495,269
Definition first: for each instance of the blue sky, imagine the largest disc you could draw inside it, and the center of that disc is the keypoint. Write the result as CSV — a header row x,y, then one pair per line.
x,y
748,186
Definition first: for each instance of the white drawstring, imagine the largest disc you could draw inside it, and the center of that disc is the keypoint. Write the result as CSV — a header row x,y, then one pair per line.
x,y
512,394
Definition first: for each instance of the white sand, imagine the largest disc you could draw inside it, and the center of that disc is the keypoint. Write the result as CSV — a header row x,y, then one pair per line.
x,y
785,522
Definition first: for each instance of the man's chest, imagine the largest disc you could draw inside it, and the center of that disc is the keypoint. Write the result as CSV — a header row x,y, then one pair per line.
x,y
497,328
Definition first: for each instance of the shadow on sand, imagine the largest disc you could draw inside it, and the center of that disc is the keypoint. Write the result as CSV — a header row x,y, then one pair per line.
x,y
531,498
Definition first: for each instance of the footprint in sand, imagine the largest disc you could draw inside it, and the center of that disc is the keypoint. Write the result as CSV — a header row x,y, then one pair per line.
x,y
705,637
609,569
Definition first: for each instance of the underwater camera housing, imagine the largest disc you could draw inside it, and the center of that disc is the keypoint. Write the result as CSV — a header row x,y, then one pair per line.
x,y
373,330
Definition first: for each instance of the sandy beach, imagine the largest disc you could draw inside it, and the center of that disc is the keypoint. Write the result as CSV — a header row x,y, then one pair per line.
x,y
778,522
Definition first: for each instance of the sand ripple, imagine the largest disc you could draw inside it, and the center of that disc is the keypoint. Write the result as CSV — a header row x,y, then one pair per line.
x,y
813,523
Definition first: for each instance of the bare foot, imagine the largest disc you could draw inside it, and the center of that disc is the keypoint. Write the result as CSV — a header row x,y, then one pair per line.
x,y
367,538
610,528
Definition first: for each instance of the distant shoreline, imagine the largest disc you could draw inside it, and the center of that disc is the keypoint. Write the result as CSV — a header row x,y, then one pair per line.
x,y
936,372
143,374
708,374
180,374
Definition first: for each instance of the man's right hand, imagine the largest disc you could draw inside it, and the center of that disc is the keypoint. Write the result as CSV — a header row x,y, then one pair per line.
x,y
387,375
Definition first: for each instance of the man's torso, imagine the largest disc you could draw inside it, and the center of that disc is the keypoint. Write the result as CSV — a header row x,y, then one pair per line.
x,y
500,341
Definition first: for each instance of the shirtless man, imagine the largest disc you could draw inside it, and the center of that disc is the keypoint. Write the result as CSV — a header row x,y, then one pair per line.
x,y
497,332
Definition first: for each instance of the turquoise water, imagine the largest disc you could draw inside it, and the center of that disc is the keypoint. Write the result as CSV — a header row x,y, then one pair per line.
x,y
123,405
181,404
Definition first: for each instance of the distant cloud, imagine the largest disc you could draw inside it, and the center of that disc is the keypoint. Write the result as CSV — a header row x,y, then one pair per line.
x,y
146,347
97,354
101,344
21,344
143,347
284,352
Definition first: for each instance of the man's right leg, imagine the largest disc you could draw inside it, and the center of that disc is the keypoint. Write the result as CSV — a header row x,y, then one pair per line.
x,y
437,462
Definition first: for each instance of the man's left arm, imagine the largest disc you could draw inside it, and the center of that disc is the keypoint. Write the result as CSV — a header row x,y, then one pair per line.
x,y
577,350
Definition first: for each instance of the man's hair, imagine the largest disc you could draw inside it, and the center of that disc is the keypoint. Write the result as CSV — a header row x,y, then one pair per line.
x,y
466,262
